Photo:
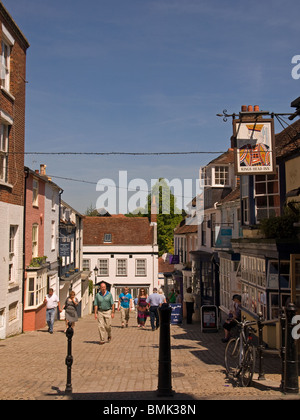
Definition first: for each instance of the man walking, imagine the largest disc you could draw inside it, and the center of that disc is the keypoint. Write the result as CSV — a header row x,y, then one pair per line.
x,y
154,301
52,302
104,312
125,302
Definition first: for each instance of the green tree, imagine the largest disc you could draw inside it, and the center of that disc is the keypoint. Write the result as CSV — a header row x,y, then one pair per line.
x,y
168,214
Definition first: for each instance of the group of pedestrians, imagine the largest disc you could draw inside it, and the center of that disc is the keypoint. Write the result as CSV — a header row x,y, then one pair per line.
x,y
70,307
104,308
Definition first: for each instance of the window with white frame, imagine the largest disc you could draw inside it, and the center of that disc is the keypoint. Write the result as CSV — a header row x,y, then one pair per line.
x,y
86,265
36,290
35,235
4,130
7,43
205,176
221,176
140,268
107,237
35,192
267,197
121,267
103,267
12,252
5,64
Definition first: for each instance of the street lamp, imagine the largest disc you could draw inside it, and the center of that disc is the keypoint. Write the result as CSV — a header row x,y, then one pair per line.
x,y
96,272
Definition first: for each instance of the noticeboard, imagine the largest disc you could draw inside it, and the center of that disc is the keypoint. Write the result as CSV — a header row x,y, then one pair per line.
x,y
176,314
209,318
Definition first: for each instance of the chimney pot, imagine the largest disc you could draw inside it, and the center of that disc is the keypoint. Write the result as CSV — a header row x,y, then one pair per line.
x,y
244,108
256,108
250,108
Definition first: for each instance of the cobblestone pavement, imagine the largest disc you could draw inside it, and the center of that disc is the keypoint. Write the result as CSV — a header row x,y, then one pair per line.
x,y
32,365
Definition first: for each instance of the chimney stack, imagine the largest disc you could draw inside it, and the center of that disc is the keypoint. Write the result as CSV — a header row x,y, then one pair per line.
x,y
43,170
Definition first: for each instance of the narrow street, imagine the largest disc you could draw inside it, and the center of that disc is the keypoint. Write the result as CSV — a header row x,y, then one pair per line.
x,y
32,365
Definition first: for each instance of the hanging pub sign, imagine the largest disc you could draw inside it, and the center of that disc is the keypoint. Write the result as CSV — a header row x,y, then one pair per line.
x,y
254,146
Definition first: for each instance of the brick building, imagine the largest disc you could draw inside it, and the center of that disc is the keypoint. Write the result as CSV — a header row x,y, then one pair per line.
x,y
12,138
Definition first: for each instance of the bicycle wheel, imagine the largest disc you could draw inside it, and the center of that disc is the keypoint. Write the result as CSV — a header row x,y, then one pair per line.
x,y
232,353
248,366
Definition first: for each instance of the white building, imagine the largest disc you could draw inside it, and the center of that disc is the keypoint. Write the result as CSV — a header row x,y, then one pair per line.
x,y
122,251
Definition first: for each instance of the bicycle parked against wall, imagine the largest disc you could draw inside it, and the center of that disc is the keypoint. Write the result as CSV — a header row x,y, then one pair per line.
x,y
240,354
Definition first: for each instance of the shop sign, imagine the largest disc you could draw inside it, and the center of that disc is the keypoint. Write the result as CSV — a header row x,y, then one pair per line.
x,y
224,236
254,146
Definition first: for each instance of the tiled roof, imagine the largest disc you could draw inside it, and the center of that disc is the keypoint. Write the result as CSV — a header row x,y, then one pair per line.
x,y
225,158
186,229
164,266
124,231
232,196
288,141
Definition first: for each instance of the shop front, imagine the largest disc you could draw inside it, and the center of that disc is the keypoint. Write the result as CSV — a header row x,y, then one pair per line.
x,y
267,280
205,278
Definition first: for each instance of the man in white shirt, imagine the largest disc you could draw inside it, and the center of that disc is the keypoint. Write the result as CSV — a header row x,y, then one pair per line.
x,y
52,302
154,301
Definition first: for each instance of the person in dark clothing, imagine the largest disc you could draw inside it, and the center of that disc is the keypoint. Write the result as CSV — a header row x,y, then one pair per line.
x,y
234,316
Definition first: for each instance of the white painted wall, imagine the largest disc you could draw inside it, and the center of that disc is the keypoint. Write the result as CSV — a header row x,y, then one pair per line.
x,y
11,293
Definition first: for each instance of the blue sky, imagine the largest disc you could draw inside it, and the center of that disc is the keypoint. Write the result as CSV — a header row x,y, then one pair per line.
x,y
148,76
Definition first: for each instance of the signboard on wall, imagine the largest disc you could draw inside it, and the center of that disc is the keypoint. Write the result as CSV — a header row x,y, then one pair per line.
x,y
223,237
254,146
65,249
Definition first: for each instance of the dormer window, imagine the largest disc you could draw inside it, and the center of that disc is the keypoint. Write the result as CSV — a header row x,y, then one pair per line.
x,y
221,176
107,237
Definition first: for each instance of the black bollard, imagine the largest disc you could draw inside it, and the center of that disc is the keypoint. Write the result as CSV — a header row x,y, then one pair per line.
x,y
291,383
260,349
282,348
164,365
69,359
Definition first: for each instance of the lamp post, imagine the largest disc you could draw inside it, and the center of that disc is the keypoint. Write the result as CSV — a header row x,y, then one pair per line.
x,y
96,273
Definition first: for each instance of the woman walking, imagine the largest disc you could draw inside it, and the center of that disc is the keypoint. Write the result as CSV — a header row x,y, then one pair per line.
x,y
70,308
142,307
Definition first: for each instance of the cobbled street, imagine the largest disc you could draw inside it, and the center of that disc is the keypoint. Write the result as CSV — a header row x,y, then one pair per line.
x,y
32,365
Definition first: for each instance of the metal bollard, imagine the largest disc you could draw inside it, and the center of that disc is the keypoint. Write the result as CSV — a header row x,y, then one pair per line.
x,y
164,368
261,374
291,383
69,359
282,348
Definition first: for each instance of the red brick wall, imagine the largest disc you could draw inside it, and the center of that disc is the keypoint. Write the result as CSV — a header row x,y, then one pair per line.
x,y
15,108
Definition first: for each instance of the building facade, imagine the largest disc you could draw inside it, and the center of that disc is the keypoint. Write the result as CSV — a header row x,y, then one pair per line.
x,y
12,138
40,245
72,276
122,251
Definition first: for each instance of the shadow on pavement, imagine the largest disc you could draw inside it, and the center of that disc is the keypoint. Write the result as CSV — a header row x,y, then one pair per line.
x,y
118,396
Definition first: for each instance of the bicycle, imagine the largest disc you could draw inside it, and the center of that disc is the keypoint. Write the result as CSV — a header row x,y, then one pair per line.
x,y
240,354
